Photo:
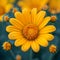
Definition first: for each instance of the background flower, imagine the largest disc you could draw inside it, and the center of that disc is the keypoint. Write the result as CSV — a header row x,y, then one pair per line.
x,y
39,4
54,6
5,7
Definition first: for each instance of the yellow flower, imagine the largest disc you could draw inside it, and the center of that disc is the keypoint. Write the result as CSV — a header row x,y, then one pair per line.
x,y
6,46
29,29
52,48
39,4
54,6
5,7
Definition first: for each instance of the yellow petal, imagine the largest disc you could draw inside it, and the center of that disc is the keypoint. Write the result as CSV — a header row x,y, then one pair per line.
x,y
1,18
16,23
33,14
19,17
39,17
43,42
35,46
44,22
48,29
14,35
48,37
11,28
25,47
26,16
19,42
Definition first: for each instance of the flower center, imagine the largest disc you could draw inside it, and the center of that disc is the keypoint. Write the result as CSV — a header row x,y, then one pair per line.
x,y
30,32
2,10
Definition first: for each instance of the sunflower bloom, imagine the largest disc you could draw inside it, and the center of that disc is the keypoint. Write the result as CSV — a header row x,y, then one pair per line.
x,y
39,4
29,29
54,6
5,7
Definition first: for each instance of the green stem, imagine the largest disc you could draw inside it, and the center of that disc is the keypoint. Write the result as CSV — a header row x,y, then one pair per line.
x,y
50,57
12,54
30,54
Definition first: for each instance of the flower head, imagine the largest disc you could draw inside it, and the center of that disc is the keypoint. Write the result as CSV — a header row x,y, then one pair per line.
x,y
53,18
30,29
30,4
52,48
54,6
6,46
6,18
5,7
